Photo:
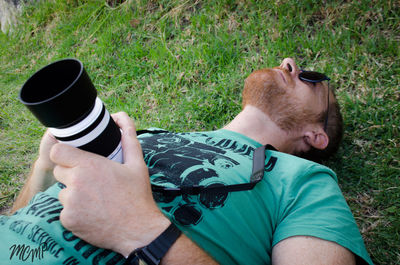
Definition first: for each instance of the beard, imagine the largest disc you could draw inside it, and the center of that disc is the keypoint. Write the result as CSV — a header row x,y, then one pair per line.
x,y
285,110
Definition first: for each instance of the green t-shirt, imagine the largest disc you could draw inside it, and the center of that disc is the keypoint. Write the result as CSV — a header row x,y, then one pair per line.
x,y
295,197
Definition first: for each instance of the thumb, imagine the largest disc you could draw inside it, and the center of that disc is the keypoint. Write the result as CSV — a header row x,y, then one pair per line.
x,y
131,147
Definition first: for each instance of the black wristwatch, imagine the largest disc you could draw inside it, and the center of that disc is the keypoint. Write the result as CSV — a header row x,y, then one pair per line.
x,y
156,250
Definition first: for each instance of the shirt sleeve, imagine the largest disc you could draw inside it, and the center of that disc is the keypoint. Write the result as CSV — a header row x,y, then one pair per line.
x,y
313,205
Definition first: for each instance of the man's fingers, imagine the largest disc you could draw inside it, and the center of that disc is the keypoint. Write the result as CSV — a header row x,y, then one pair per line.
x,y
130,144
123,121
67,156
50,137
131,147
62,196
68,215
61,174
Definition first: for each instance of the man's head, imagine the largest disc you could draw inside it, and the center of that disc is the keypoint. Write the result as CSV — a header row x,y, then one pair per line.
x,y
297,106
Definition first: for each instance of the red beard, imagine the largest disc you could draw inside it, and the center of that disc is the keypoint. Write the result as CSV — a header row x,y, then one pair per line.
x,y
262,90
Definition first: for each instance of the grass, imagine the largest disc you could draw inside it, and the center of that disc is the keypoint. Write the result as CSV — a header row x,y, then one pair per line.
x,y
180,65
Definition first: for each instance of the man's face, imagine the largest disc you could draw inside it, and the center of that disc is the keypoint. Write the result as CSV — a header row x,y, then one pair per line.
x,y
288,101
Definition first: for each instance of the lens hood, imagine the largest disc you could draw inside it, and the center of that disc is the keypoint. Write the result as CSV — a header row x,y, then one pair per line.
x,y
60,94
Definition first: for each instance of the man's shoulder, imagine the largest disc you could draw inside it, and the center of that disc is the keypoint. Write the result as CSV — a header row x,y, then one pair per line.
x,y
232,144
296,167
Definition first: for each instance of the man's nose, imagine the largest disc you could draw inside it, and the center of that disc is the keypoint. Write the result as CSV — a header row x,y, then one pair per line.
x,y
290,65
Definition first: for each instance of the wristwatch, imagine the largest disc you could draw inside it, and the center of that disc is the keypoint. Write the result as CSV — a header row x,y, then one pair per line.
x,y
156,250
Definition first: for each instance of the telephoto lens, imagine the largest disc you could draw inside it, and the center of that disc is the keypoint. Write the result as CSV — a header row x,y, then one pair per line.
x,y
63,98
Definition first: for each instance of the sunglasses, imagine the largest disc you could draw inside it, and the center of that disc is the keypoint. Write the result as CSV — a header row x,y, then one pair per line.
x,y
315,77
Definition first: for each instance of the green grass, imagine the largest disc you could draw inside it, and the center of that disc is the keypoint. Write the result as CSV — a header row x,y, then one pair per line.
x,y
180,65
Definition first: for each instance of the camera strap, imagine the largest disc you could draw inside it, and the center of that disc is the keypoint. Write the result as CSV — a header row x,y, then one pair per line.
x,y
256,175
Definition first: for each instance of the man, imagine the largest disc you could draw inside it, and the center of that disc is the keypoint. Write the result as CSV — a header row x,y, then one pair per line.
x,y
295,215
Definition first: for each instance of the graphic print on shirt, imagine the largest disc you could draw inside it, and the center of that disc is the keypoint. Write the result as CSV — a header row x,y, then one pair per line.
x,y
175,161
38,239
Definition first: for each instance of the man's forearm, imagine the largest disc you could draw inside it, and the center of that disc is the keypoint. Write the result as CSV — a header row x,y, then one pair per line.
x,y
184,251
39,179
41,175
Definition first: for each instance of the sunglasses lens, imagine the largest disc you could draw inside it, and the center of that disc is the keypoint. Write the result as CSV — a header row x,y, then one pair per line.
x,y
312,76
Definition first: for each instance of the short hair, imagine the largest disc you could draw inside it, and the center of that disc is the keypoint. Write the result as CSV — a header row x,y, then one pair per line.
x,y
334,130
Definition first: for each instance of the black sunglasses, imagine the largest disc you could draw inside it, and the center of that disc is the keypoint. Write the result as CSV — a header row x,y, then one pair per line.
x,y
256,176
315,77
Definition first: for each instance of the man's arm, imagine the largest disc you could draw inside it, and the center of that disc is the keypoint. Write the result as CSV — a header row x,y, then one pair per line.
x,y
184,252
110,205
41,175
299,250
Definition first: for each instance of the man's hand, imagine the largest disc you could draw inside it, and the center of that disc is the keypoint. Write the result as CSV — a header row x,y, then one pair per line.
x,y
41,176
46,144
108,204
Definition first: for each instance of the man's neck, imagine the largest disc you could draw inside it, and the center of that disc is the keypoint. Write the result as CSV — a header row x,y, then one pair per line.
x,y
258,126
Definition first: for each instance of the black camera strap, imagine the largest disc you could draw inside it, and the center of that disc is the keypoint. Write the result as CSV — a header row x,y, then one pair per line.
x,y
256,176
139,132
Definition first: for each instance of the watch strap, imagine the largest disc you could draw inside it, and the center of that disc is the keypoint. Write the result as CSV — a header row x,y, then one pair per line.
x,y
156,250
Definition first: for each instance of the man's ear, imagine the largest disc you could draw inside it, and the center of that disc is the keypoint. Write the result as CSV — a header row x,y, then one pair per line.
x,y
316,138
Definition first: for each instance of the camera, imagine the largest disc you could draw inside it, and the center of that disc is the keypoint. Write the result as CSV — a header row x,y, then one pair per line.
x,y
62,97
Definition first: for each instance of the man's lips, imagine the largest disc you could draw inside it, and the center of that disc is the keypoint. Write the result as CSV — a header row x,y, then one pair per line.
x,y
284,74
